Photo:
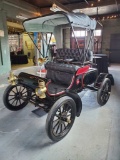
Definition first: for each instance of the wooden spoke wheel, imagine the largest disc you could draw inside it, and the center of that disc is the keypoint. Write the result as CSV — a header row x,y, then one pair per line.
x,y
60,118
15,97
103,93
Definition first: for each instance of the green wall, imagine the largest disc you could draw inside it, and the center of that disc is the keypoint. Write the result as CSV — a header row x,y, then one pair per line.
x,y
6,67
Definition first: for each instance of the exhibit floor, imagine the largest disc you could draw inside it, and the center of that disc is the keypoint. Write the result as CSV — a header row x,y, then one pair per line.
x,y
95,135
18,66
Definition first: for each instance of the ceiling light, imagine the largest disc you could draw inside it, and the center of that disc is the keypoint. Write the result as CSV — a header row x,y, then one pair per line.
x,y
103,18
21,17
92,4
56,8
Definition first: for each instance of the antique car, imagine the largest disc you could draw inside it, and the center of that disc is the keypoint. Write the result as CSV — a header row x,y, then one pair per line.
x,y
71,71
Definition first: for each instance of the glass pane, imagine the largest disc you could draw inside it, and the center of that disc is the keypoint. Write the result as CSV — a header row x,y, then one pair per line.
x,y
97,32
79,34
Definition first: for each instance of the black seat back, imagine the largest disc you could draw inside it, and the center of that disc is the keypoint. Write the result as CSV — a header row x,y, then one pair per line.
x,y
75,54
60,73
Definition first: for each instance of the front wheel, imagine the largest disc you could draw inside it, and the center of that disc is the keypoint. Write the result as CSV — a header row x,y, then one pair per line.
x,y
15,97
103,93
60,118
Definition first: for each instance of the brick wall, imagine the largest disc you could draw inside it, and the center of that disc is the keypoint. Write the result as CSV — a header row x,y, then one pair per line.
x,y
111,26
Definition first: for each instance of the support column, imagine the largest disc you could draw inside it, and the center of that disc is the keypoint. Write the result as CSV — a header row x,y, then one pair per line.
x,y
5,65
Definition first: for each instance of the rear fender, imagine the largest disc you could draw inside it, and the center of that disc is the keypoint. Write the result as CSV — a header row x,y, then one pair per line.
x,y
101,77
111,78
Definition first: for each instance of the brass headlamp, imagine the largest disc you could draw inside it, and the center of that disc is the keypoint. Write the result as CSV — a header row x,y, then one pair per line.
x,y
41,89
42,60
12,78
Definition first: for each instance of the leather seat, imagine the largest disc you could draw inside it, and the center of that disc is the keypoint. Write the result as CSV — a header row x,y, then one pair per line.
x,y
77,55
61,77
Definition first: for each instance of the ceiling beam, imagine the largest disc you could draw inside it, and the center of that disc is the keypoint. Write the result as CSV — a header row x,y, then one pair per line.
x,y
19,6
45,11
106,15
81,5
14,25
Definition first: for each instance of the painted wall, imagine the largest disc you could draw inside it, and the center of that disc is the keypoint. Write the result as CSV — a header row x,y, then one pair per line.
x,y
12,8
6,66
28,45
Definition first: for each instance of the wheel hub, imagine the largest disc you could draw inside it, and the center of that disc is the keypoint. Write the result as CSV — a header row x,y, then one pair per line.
x,y
63,117
18,95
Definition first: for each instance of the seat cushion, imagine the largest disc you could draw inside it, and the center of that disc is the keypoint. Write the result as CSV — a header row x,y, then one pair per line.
x,y
59,77
55,89
67,68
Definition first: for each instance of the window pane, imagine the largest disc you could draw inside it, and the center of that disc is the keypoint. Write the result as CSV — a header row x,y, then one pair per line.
x,y
97,32
79,34
82,33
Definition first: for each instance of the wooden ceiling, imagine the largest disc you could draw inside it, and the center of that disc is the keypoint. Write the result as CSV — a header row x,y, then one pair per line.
x,y
99,9
71,5
48,3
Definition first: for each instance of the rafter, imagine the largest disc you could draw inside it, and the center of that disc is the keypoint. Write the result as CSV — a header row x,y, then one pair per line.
x,y
82,5
106,15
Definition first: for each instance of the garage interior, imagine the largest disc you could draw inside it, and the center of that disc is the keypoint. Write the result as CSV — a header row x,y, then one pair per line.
x,y
95,135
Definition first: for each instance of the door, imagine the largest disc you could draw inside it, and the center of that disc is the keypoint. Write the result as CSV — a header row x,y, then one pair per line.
x,y
114,56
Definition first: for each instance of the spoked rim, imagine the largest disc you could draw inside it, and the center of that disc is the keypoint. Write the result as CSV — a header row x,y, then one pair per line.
x,y
17,95
62,120
105,93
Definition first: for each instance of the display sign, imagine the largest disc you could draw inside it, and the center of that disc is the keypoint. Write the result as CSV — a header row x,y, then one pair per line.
x,y
1,33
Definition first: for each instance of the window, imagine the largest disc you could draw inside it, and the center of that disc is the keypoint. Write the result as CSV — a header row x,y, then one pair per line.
x,y
53,41
79,34
97,33
13,41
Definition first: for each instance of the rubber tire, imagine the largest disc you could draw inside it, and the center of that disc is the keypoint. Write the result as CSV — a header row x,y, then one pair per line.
x,y
5,100
99,92
52,113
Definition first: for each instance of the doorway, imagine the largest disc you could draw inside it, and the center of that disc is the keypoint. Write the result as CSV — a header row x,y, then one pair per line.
x,y
114,55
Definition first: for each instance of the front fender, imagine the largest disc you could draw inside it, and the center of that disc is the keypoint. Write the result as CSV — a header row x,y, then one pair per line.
x,y
77,100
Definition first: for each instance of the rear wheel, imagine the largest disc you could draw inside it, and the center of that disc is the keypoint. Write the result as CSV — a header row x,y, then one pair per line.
x,y
60,118
103,93
15,97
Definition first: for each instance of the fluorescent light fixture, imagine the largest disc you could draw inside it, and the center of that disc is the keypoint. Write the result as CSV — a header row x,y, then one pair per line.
x,y
56,8
21,17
